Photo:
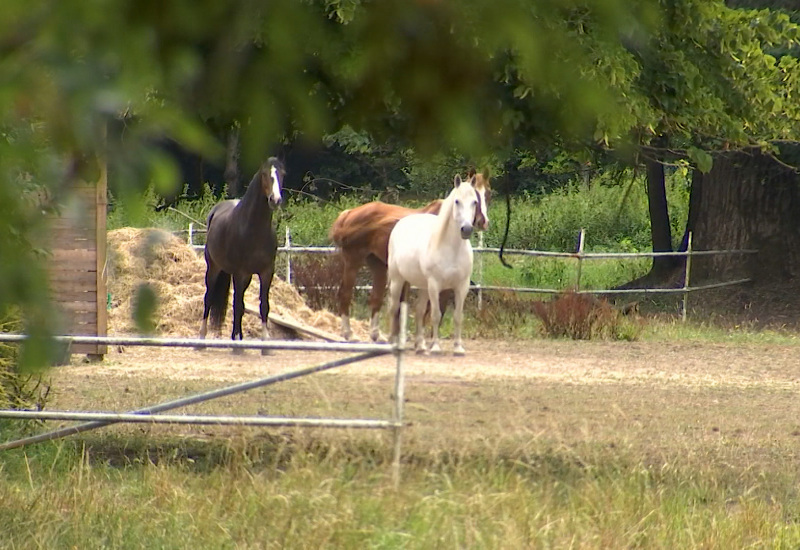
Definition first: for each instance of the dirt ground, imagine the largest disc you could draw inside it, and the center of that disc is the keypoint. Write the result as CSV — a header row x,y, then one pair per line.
x,y
726,403
698,365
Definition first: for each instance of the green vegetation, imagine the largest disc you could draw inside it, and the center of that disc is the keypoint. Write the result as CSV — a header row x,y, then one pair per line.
x,y
613,214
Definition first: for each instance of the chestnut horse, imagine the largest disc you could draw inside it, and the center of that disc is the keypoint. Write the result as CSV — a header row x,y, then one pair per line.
x,y
362,236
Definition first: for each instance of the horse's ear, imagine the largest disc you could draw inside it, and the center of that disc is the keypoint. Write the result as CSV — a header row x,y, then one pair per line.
x,y
457,180
486,174
473,180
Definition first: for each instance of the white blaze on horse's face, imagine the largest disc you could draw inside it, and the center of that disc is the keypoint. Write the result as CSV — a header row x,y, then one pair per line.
x,y
275,198
465,204
484,207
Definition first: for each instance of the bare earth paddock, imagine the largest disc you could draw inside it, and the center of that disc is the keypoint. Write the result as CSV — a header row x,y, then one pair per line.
x,y
658,401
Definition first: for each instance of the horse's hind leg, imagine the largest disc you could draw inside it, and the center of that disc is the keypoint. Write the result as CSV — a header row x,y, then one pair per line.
x,y
212,273
420,320
350,267
396,291
240,284
458,318
266,282
379,276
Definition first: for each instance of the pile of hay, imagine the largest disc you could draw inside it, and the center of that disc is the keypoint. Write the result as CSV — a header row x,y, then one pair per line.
x,y
176,273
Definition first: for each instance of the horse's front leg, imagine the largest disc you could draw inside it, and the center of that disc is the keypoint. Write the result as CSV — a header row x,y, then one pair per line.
x,y
419,319
240,284
458,318
345,295
379,275
266,282
436,314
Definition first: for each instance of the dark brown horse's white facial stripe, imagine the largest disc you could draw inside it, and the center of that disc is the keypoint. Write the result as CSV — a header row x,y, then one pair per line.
x,y
275,193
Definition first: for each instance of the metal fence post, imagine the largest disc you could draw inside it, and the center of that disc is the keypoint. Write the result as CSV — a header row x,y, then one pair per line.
x,y
581,239
686,276
288,255
191,234
399,395
480,272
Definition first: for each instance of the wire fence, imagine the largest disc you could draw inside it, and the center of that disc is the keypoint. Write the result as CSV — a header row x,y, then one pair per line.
x,y
580,256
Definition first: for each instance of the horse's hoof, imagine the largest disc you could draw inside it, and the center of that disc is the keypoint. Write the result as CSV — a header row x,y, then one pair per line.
x,y
380,339
436,350
459,350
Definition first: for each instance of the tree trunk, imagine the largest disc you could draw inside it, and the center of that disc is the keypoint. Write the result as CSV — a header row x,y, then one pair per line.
x,y
659,220
749,201
695,196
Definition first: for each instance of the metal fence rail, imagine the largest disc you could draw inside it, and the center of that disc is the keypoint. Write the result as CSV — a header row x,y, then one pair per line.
x,y
149,414
580,256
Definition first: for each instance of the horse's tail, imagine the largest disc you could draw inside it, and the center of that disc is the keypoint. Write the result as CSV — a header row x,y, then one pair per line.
x,y
219,300
337,232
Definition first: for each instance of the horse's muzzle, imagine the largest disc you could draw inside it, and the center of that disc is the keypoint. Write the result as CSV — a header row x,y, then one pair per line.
x,y
466,231
275,202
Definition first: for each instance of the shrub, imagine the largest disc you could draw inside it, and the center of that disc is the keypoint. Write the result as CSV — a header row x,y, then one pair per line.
x,y
317,278
18,391
584,317
501,315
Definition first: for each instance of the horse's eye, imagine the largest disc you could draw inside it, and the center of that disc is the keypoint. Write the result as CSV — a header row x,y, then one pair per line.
x,y
458,202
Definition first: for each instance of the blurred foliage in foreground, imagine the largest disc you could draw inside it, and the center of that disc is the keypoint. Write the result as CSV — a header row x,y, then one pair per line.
x,y
479,77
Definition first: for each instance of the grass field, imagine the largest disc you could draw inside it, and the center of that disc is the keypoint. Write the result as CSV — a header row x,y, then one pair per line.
x,y
676,441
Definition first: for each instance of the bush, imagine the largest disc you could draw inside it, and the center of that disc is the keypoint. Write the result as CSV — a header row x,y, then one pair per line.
x,y
583,317
318,278
18,391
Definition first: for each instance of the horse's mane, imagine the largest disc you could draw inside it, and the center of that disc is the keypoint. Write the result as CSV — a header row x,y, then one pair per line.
x,y
359,224
446,211
442,218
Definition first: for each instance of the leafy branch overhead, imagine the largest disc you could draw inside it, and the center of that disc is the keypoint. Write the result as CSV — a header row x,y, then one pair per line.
x,y
478,77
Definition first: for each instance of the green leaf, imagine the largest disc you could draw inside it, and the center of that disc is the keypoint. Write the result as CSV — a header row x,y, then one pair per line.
x,y
700,158
144,308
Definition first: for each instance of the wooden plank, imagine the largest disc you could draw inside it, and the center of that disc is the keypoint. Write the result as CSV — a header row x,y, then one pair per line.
x,y
86,284
78,307
76,319
297,326
68,243
72,256
66,223
60,277
77,262
69,296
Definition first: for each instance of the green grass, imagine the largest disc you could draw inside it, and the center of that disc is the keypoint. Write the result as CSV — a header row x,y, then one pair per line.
x,y
536,496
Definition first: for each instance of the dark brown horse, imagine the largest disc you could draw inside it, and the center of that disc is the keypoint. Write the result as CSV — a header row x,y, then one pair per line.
x,y
241,242
362,236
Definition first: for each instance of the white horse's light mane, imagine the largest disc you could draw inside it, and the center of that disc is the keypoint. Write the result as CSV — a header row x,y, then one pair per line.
x,y
446,211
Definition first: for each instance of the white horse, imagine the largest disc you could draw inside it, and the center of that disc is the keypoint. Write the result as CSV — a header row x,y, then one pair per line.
x,y
433,253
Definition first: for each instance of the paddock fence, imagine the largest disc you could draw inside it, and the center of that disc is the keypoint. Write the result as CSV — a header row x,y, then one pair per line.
x,y
150,414
580,256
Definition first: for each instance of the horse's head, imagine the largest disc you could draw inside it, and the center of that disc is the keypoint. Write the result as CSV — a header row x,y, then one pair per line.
x,y
484,191
272,173
465,205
